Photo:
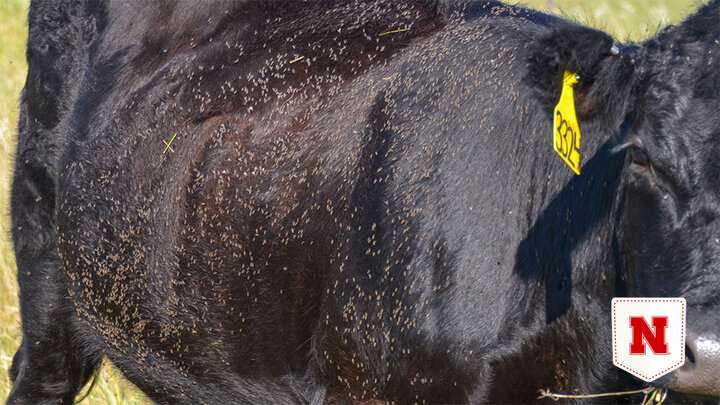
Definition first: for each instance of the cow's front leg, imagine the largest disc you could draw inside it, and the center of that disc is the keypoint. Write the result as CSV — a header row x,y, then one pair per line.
x,y
50,366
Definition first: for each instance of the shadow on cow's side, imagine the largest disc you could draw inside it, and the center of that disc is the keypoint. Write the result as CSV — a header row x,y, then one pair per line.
x,y
546,254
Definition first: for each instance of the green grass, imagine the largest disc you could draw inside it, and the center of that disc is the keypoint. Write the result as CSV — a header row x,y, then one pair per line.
x,y
624,19
632,19
12,76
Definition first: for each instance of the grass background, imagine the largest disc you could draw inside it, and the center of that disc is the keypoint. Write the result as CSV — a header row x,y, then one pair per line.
x,y
625,19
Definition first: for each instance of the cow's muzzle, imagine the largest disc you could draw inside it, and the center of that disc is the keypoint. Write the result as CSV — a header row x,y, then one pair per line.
x,y
701,372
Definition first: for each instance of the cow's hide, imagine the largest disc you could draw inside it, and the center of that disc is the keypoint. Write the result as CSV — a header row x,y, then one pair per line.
x,y
340,201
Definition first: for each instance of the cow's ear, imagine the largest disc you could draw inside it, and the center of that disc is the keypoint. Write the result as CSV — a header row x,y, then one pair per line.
x,y
581,50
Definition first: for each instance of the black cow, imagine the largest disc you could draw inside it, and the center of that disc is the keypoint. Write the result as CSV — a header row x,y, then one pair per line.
x,y
340,201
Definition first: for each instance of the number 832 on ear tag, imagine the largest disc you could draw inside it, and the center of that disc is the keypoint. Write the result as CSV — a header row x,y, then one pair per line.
x,y
566,132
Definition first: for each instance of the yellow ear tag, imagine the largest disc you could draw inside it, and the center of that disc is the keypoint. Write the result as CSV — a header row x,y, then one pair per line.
x,y
566,132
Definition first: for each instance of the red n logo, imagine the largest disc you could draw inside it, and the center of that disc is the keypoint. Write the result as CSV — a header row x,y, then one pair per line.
x,y
641,330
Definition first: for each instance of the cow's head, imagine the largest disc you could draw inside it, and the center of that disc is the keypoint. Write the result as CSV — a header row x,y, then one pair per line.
x,y
666,92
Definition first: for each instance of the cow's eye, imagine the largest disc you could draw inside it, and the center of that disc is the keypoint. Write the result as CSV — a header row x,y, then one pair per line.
x,y
639,157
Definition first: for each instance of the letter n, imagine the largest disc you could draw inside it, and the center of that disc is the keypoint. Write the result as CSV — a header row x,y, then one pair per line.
x,y
641,330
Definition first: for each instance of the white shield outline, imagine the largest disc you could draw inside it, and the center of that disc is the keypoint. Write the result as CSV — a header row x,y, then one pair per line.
x,y
648,366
